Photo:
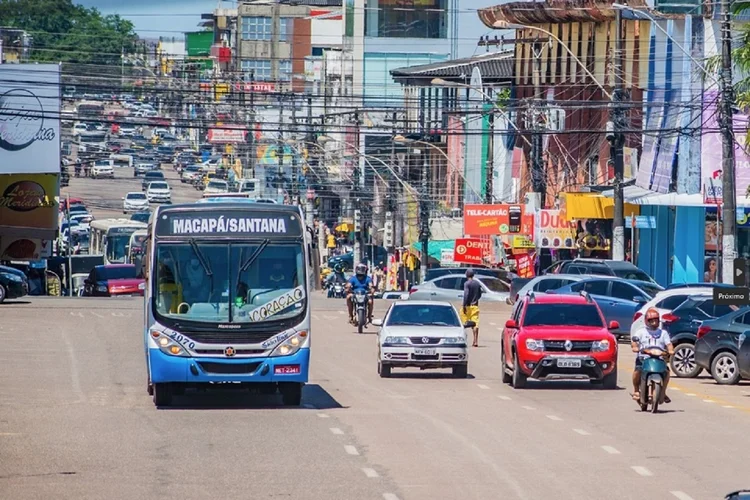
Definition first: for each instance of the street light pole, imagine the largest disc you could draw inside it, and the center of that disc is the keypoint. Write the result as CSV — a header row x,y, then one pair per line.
x,y
729,193
424,216
617,141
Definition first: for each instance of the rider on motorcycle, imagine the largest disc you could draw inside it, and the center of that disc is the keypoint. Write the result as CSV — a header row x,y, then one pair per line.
x,y
359,282
650,336
336,277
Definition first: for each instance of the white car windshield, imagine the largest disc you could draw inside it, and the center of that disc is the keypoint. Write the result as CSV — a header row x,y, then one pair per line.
x,y
423,315
217,184
158,185
230,282
136,196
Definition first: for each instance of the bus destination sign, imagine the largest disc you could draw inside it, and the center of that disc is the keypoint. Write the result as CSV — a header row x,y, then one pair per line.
x,y
209,223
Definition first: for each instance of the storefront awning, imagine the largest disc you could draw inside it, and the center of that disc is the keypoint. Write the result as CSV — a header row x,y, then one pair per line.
x,y
639,196
435,248
593,206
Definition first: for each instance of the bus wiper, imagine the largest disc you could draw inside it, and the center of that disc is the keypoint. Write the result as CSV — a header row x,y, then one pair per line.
x,y
201,257
249,262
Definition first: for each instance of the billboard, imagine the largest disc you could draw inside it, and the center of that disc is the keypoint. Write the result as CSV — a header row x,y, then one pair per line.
x,y
554,230
498,219
468,251
30,119
226,136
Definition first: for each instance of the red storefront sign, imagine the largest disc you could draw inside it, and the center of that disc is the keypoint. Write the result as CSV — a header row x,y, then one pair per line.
x,y
255,87
468,251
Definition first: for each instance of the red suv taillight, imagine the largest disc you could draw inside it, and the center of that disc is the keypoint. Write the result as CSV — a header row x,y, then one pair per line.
x,y
412,291
703,330
637,315
669,318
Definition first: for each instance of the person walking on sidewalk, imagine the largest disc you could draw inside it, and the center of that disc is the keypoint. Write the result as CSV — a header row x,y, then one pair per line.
x,y
470,309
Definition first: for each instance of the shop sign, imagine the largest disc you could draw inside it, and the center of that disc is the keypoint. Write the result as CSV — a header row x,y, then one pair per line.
x,y
553,230
446,257
521,241
226,136
469,251
484,220
14,248
29,118
28,201
525,265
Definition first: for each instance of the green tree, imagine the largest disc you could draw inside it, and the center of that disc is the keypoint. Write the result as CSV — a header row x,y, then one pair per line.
x,y
65,32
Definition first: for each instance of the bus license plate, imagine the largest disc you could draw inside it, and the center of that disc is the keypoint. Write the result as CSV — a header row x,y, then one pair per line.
x,y
286,370
569,363
425,352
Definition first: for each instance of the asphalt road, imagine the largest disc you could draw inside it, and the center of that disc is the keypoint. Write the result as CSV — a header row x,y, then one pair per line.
x,y
104,196
76,422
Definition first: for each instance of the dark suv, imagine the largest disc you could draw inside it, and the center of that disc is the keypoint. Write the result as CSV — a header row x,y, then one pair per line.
x,y
682,325
13,284
601,267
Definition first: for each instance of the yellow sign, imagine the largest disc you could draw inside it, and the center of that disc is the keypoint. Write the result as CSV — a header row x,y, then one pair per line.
x,y
521,241
28,201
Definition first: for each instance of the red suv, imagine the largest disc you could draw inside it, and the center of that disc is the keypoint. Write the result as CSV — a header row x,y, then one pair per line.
x,y
559,336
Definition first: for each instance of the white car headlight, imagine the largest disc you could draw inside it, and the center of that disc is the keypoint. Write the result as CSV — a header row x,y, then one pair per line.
x,y
600,345
169,346
291,345
396,340
534,345
455,340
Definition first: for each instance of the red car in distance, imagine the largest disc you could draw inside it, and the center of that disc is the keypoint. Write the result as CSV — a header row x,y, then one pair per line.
x,y
559,336
113,280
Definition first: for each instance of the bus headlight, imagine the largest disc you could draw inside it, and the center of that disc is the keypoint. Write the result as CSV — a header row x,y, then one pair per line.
x,y
291,345
168,345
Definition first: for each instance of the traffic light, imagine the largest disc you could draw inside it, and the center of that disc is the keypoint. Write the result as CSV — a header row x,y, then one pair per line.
x,y
357,221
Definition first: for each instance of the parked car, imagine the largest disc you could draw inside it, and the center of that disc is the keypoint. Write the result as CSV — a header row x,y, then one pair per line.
x,y
141,168
134,202
141,216
13,284
546,282
424,335
451,288
683,323
436,272
718,345
112,280
665,302
602,267
618,298
149,177
159,192
559,336
102,170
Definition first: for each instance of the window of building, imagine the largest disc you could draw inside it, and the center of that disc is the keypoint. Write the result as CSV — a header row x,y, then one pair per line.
x,y
284,25
256,28
317,51
285,70
260,69
411,19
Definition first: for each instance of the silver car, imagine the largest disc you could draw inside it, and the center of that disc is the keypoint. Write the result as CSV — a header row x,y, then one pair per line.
x,y
424,335
451,288
541,284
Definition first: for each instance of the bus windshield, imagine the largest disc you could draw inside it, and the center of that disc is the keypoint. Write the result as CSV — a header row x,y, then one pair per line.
x,y
246,282
116,247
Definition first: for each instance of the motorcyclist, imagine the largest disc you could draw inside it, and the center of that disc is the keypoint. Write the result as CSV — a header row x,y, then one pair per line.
x,y
336,277
359,282
650,336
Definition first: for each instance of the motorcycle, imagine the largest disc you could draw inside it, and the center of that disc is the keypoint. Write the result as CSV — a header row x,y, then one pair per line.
x,y
360,309
653,375
338,291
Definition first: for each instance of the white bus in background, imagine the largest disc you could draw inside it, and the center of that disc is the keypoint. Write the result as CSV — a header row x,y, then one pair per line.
x,y
136,247
88,110
111,238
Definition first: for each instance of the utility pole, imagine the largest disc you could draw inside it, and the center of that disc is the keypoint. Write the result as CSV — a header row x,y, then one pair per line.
x,y
424,216
280,148
356,193
729,193
295,167
617,141
538,180
490,170
251,132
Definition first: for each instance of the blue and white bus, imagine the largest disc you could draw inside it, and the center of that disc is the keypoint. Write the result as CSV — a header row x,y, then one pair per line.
x,y
227,299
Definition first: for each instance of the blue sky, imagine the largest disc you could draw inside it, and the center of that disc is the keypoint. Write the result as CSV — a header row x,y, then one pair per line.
x,y
154,18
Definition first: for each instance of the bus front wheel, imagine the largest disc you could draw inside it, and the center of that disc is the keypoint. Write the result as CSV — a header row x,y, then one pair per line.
x,y
162,394
291,393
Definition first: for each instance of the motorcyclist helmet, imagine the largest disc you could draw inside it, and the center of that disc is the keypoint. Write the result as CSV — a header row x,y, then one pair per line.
x,y
652,318
338,268
361,270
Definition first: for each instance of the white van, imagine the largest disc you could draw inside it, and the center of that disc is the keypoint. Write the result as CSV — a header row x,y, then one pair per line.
x,y
103,169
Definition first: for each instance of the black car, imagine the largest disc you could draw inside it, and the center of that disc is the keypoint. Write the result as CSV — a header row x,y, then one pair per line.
x,y
721,347
141,217
600,267
13,284
151,176
682,325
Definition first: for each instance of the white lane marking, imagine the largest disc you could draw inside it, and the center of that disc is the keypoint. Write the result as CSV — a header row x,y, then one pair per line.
x,y
708,401
329,317
309,406
690,394
681,495
641,470
337,431
728,406
315,317
389,496
10,433
322,415
351,450
611,450
482,386
75,378
554,417
493,324
342,312
675,388
372,473
582,432
98,315
528,407
116,314
504,398
79,314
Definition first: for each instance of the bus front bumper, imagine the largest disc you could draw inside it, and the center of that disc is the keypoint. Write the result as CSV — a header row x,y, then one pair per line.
x,y
164,368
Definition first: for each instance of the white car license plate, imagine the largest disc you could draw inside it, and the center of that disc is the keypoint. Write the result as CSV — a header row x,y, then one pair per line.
x,y
569,363
425,352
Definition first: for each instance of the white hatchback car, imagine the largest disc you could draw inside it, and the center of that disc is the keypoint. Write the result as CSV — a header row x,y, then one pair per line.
x,y
665,302
424,335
